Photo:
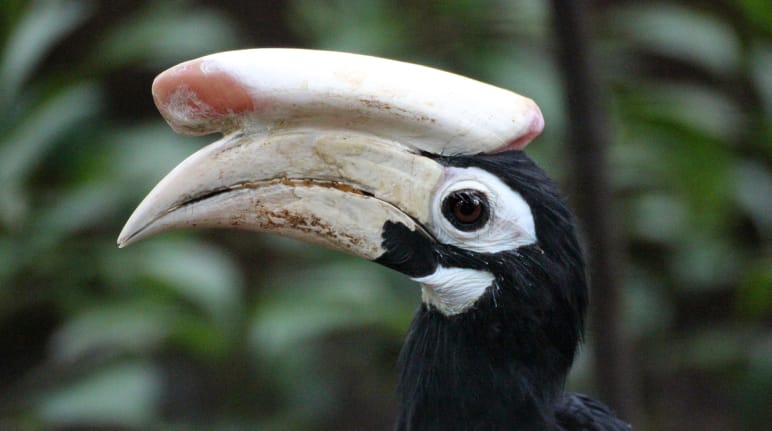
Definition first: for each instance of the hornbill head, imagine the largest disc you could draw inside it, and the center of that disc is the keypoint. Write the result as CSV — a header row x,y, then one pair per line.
x,y
414,168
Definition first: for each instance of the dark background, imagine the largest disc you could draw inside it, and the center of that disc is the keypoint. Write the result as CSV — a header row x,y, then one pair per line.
x,y
227,331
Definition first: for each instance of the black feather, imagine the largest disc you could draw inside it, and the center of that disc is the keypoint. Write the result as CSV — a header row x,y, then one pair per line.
x,y
577,412
500,365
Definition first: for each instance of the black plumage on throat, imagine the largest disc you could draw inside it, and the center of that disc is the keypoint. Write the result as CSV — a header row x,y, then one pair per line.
x,y
504,360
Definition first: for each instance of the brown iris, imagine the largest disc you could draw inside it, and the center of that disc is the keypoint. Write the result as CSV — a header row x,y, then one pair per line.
x,y
466,209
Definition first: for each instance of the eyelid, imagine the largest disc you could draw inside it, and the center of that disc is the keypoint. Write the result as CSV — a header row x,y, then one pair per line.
x,y
510,222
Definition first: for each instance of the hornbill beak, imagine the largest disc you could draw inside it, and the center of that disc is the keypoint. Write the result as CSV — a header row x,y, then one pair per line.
x,y
321,146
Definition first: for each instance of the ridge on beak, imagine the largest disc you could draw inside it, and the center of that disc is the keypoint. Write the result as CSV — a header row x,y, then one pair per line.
x,y
323,146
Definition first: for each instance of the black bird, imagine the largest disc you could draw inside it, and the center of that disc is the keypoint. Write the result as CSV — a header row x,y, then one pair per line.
x,y
421,171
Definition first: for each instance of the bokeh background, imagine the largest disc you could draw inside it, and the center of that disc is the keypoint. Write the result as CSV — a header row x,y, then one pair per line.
x,y
223,330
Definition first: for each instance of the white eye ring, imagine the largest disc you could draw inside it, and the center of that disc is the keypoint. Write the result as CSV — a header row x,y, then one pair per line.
x,y
509,224
439,206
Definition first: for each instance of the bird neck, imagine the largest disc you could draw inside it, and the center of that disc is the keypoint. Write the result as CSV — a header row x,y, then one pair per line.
x,y
478,370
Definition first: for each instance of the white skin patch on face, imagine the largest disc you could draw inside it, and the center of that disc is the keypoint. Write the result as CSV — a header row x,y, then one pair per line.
x,y
454,290
510,225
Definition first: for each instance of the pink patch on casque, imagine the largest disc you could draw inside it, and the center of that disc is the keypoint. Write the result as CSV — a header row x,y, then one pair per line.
x,y
193,97
534,129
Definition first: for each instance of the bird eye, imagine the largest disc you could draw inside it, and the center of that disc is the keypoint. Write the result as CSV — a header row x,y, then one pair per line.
x,y
467,209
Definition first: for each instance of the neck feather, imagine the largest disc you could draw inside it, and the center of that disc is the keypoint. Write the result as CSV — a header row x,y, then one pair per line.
x,y
466,373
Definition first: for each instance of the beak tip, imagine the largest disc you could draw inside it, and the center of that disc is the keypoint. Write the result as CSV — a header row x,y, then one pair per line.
x,y
123,240
127,240
129,235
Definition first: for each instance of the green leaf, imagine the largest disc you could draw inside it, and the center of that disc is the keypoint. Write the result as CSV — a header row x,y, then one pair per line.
x,y
684,134
761,65
9,262
199,273
522,17
680,33
753,193
45,23
754,295
658,217
701,109
373,27
646,309
120,327
125,394
309,303
29,142
75,209
757,12
705,261
714,348
165,33
138,157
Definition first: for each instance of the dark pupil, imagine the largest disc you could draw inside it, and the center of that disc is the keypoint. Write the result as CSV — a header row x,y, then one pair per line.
x,y
466,209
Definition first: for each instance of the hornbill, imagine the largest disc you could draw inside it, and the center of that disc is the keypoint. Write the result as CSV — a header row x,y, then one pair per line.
x,y
419,170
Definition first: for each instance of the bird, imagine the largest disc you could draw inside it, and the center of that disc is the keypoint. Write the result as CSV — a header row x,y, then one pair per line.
x,y
417,169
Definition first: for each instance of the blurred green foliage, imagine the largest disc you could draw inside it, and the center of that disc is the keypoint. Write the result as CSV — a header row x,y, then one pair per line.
x,y
220,330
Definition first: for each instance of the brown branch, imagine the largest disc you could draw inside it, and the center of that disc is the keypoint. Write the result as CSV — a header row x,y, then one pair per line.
x,y
587,146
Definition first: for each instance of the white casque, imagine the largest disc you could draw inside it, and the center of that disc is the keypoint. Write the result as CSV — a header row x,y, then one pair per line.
x,y
422,108
326,147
